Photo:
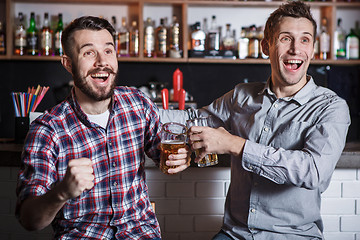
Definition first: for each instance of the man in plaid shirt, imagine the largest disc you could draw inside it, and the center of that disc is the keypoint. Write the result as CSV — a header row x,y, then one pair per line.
x,y
83,161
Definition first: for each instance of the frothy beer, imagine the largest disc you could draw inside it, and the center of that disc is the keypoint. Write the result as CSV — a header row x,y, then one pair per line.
x,y
169,147
209,160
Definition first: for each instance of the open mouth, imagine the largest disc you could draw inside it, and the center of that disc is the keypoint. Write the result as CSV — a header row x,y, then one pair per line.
x,y
293,64
100,76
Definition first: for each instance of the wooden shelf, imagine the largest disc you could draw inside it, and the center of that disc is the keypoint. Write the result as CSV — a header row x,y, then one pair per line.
x,y
181,9
187,60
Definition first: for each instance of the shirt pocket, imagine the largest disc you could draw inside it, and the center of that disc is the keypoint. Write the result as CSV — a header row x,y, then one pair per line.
x,y
291,135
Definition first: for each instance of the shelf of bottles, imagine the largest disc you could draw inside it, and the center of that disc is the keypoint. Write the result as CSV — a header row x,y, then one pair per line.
x,y
172,31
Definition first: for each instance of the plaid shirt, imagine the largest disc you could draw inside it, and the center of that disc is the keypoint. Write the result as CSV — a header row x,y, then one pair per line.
x,y
118,205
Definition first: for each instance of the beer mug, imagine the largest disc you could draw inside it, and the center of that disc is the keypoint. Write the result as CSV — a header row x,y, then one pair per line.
x,y
173,136
210,159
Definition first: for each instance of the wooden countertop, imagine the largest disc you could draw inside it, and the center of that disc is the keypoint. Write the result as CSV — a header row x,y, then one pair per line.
x,y
10,154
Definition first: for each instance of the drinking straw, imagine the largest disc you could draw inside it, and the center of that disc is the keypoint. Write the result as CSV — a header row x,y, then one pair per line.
x,y
26,102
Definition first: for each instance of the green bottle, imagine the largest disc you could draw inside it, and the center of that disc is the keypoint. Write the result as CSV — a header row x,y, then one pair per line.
x,y
58,34
32,37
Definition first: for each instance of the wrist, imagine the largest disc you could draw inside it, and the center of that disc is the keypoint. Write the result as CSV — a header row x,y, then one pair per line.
x,y
237,146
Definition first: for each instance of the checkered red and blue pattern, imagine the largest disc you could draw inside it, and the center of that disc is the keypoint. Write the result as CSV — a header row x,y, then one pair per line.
x,y
118,205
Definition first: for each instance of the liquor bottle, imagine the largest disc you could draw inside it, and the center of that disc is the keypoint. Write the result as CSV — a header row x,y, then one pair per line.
x,y
243,44
198,38
161,39
32,40
134,40
317,47
213,35
339,41
253,42
58,34
149,38
124,39
20,36
352,45
228,41
2,40
205,27
46,37
324,40
115,34
174,39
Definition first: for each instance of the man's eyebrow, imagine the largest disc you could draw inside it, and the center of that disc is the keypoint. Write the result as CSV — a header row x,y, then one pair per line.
x,y
86,45
305,33
90,44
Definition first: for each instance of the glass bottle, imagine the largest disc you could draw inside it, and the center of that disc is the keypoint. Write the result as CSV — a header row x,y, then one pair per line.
x,y
213,35
149,38
253,43
32,40
352,45
228,42
2,40
134,40
174,39
46,37
198,38
324,40
339,41
161,39
20,36
317,47
116,34
124,39
243,44
57,35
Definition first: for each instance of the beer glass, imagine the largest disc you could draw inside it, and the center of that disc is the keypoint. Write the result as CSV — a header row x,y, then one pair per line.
x,y
173,137
210,159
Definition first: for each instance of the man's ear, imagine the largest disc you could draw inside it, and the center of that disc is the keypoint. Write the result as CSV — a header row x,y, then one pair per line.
x,y
265,46
66,62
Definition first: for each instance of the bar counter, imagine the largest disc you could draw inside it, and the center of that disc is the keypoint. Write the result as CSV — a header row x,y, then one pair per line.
x,y
10,154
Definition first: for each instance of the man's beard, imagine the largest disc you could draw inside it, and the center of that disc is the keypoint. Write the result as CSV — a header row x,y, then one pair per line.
x,y
98,94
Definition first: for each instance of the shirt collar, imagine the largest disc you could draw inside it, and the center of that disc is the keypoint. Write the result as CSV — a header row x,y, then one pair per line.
x,y
80,113
301,96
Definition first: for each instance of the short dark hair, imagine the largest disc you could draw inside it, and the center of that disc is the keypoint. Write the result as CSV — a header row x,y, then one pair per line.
x,y
295,9
83,23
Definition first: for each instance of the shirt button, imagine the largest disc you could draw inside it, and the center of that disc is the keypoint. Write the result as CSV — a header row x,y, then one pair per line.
x,y
114,164
276,105
266,129
250,167
115,184
252,210
110,144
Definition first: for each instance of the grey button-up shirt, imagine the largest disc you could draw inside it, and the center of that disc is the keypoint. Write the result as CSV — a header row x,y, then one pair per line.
x,y
292,147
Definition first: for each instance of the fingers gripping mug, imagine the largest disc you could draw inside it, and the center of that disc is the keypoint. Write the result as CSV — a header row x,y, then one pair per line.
x,y
173,137
210,159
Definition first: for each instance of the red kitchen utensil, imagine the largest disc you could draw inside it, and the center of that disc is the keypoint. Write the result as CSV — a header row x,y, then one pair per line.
x,y
182,99
165,98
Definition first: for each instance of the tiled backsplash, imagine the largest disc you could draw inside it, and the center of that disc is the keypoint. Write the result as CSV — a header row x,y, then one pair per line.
x,y
190,205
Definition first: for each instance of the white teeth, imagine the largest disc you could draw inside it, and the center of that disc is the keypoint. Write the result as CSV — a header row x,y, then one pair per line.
x,y
294,61
100,75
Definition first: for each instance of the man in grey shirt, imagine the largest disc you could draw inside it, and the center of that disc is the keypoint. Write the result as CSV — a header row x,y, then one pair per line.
x,y
284,136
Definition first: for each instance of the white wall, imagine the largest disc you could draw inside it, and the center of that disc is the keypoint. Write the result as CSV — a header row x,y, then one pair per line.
x,y
190,205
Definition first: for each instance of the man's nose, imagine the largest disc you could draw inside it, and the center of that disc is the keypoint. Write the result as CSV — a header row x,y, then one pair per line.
x,y
101,59
295,47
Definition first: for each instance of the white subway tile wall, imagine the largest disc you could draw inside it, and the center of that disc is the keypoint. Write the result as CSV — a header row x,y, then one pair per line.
x,y
190,205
